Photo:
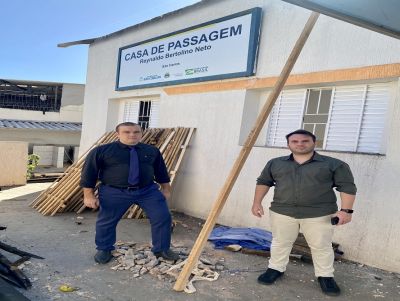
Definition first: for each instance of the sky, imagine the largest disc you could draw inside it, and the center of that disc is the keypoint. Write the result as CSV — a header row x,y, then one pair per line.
x,y
31,30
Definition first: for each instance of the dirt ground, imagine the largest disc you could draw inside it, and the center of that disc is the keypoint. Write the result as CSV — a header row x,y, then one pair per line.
x,y
68,249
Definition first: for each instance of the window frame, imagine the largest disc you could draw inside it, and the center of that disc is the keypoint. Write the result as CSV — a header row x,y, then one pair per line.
x,y
133,114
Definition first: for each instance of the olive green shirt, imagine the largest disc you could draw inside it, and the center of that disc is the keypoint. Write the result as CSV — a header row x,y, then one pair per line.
x,y
306,190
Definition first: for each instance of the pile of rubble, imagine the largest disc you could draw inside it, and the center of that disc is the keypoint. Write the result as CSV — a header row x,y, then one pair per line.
x,y
140,260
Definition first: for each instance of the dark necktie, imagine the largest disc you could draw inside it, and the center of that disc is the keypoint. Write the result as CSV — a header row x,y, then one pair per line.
x,y
133,178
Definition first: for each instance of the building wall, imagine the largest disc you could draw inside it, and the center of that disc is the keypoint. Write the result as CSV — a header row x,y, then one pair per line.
x,y
14,160
72,94
70,113
220,118
41,137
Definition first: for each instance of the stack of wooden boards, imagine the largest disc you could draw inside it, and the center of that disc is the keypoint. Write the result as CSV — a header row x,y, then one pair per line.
x,y
65,194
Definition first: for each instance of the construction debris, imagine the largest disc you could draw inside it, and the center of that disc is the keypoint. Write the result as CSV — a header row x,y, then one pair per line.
x,y
233,248
65,194
140,260
10,271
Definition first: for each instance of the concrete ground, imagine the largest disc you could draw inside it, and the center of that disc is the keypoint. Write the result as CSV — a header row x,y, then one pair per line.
x,y
68,249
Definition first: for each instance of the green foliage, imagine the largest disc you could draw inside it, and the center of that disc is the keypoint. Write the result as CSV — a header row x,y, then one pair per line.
x,y
33,161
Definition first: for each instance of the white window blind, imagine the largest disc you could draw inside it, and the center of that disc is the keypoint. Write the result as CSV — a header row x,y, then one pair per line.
x,y
344,118
372,127
131,111
154,114
357,118
286,116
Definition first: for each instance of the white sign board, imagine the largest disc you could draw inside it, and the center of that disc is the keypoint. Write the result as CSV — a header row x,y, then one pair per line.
x,y
223,48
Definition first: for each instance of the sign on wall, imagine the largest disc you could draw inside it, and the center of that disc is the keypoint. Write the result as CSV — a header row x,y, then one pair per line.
x,y
222,48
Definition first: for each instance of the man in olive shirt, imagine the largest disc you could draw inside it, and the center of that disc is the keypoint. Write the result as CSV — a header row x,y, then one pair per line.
x,y
304,200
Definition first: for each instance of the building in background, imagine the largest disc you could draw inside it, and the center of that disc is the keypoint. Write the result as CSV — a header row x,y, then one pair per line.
x,y
212,65
46,115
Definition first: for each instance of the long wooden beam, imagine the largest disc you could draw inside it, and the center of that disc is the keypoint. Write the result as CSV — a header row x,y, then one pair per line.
x,y
244,153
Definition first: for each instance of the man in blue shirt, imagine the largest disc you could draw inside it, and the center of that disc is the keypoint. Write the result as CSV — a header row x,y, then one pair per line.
x,y
128,170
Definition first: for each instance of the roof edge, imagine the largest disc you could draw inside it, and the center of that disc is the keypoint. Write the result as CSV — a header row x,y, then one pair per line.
x,y
73,43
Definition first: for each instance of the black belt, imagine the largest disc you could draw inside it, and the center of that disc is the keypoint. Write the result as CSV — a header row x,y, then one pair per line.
x,y
129,188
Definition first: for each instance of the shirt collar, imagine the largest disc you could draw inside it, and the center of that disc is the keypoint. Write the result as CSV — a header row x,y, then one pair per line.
x,y
120,144
315,157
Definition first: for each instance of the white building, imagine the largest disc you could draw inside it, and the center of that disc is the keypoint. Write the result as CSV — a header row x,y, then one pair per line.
x,y
344,87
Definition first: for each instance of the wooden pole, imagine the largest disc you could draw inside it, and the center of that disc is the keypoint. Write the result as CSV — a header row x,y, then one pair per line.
x,y
244,153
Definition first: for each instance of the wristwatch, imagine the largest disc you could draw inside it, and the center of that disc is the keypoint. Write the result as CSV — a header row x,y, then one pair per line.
x,y
350,211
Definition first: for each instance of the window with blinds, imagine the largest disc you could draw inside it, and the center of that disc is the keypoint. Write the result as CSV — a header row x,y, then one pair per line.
x,y
344,118
144,113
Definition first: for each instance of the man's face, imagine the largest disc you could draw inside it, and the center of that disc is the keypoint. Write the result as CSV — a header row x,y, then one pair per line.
x,y
129,135
301,144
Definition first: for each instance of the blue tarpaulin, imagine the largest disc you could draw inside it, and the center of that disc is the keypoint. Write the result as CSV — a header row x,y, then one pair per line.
x,y
251,238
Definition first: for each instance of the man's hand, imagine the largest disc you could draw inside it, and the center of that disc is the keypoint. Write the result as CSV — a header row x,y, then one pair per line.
x,y
89,199
166,193
344,217
91,202
260,192
257,209
166,190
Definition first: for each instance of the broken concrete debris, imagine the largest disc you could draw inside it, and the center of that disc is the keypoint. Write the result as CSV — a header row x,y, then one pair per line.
x,y
140,260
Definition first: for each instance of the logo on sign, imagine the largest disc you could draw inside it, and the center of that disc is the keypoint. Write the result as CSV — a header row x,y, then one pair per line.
x,y
151,77
196,70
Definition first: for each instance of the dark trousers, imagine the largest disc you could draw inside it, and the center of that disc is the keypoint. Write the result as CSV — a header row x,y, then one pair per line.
x,y
113,204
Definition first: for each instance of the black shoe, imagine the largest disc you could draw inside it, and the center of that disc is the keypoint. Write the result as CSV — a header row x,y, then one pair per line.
x,y
103,257
269,276
168,255
329,286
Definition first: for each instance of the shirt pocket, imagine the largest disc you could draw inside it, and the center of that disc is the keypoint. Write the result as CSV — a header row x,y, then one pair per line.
x,y
282,175
319,174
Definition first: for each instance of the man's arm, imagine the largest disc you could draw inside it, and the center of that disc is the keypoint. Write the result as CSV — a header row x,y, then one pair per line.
x,y
347,203
160,170
344,182
89,177
259,194
264,182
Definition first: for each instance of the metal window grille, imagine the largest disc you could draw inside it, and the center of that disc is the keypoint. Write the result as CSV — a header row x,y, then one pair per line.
x,y
34,97
144,113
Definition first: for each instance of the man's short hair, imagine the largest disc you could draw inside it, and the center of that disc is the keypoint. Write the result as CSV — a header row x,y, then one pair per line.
x,y
301,132
125,124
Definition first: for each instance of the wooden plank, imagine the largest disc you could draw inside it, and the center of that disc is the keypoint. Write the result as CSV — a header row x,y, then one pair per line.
x,y
180,158
244,153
